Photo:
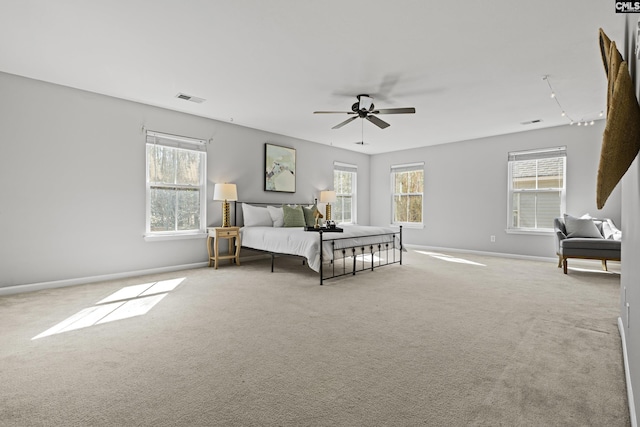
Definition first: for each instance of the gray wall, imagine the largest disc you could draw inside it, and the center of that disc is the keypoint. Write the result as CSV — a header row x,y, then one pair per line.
x,y
73,193
630,281
72,168
465,190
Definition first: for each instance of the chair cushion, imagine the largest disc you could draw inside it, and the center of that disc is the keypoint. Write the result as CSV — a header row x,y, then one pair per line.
x,y
588,244
590,248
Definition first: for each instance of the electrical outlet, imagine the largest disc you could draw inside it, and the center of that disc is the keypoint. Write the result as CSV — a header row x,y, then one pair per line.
x,y
493,239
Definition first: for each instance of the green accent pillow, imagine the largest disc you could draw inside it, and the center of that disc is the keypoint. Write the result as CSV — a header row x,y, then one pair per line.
x,y
293,216
310,215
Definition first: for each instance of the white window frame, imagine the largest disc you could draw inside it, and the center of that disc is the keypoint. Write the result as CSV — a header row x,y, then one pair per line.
x,y
407,167
536,154
353,170
179,143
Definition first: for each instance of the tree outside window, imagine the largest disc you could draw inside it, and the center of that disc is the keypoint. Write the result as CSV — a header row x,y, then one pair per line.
x,y
344,184
175,186
407,188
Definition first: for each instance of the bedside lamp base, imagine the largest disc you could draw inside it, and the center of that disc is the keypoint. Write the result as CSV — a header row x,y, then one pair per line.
x,y
226,216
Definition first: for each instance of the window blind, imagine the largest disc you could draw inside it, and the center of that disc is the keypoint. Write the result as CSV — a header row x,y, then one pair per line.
x,y
546,153
345,167
176,141
407,167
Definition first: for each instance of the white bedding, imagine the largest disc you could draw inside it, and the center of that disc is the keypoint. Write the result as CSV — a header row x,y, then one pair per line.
x,y
296,241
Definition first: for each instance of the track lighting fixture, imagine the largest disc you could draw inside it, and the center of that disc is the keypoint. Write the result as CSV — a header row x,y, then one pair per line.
x,y
563,113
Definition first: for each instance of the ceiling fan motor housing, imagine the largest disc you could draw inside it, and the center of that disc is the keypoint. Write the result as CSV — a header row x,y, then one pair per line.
x,y
361,113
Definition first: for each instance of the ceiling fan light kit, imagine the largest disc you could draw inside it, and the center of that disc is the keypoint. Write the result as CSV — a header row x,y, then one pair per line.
x,y
365,109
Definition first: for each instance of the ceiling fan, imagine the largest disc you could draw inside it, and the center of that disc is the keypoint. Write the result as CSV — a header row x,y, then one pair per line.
x,y
365,109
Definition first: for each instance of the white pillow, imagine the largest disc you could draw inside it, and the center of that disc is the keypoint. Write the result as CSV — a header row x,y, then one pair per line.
x,y
255,216
277,216
610,231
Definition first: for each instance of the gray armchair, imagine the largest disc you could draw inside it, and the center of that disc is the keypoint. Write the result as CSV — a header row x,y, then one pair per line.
x,y
583,242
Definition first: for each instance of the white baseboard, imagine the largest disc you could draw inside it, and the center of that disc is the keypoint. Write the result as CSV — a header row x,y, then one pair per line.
x,y
17,289
468,251
627,375
9,290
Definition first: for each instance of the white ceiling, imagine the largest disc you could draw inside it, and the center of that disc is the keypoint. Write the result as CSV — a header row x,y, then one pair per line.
x,y
471,69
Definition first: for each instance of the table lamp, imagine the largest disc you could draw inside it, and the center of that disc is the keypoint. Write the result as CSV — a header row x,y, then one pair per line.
x,y
225,192
327,197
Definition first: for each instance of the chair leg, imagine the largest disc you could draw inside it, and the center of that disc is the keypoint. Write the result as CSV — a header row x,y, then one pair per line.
x,y
604,265
564,265
559,261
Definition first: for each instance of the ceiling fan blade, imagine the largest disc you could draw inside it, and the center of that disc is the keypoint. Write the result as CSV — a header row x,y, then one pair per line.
x,y
333,112
409,110
376,121
339,125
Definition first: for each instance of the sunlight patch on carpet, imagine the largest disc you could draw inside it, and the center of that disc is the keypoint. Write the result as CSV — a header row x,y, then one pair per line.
x,y
135,291
450,258
130,301
368,258
592,270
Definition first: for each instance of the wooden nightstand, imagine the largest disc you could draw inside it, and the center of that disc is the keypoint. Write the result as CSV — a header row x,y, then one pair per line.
x,y
217,233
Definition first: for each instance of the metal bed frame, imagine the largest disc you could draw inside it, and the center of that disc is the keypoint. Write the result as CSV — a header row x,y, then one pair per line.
x,y
351,259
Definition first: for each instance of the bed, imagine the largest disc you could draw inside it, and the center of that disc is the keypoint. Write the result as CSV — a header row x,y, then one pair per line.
x,y
345,251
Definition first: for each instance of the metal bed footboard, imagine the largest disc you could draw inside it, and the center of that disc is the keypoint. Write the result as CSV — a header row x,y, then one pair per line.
x,y
353,256
356,258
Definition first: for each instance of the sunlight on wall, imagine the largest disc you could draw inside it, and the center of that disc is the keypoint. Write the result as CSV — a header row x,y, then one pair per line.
x,y
130,301
449,258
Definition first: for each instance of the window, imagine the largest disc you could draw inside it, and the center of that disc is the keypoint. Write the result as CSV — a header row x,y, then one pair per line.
x,y
536,188
407,187
344,184
176,192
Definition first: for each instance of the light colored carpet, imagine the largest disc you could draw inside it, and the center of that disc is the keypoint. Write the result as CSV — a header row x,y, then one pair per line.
x,y
449,340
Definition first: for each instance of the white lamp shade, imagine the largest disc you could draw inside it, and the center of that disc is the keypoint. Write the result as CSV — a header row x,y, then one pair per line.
x,y
225,192
327,196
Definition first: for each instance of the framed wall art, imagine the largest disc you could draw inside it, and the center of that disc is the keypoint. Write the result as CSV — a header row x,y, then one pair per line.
x,y
280,168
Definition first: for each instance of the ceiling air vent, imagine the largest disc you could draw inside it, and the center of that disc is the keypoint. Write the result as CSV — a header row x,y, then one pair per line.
x,y
530,122
190,98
